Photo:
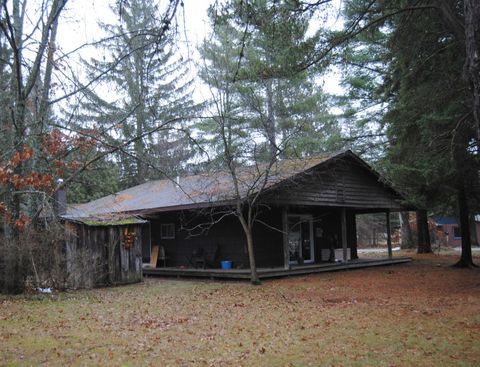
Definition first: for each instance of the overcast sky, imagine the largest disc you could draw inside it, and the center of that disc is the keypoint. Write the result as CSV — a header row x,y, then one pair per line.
x,y
79,21
79,26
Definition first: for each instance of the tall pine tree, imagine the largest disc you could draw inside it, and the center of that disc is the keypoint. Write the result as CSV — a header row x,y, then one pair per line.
x,y
253,56
428,105
145,94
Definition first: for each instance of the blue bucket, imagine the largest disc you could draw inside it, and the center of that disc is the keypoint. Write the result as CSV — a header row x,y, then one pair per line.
x,y
226,264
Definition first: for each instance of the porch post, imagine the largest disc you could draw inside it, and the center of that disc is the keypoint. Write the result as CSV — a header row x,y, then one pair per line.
x,y
149,240
352,234
286,255
389,235
344,234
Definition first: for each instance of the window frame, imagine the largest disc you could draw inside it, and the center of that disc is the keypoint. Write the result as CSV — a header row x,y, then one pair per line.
x,y
165,229
457,230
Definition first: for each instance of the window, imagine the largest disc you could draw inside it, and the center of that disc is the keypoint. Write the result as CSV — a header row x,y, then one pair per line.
x,y
457,232
167,231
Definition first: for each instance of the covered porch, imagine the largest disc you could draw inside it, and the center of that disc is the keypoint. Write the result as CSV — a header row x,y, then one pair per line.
x,y
275,272
285,238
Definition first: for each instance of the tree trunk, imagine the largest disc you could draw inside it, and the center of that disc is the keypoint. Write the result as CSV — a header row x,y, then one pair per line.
x,y
22,129
472,58
140,174
247,226
44,107
466,260
138,92
13,279
471,68
473,231
406,236
251,257
424,245
271,123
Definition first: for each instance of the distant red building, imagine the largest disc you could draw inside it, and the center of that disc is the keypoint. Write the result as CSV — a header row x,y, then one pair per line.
x,y
447,231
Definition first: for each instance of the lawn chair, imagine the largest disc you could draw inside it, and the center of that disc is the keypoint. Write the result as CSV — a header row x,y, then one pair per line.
x,y
198,258
214,257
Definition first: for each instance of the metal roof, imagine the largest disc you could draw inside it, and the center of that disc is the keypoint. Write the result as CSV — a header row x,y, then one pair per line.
x,y
203,190
206,189
444,220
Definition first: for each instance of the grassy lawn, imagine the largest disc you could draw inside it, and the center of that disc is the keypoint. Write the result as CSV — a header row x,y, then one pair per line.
x,y
420,314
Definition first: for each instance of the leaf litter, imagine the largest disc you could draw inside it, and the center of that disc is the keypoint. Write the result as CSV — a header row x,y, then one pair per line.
x,y
420,314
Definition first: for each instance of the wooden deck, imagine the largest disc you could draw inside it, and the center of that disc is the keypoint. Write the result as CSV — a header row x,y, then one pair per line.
x,y
266,273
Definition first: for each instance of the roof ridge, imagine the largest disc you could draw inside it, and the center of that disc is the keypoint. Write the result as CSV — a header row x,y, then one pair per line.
x,y
225,171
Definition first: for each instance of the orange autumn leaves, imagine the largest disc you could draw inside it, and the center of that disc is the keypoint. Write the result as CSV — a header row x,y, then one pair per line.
x,y
20,223
33,179
16,173
57,146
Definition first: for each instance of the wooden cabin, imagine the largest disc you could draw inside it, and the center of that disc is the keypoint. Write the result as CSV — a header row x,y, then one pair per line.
x,y
306,213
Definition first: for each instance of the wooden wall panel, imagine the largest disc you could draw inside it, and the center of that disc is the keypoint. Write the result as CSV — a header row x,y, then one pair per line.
x,y
343,184
96,256
223,241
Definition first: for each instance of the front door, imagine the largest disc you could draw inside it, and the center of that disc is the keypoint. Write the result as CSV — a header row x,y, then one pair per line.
x,y
300,239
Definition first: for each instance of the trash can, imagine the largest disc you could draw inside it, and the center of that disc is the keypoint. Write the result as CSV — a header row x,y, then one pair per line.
x,y
225,264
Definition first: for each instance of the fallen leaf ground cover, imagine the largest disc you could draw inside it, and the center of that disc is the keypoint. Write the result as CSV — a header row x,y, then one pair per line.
x,y
424,313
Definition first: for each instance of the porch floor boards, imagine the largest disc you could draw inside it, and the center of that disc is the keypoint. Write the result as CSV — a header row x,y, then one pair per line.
x,y
266,273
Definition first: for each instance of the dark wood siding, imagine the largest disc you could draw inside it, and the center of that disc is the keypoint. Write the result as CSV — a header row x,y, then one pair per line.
x,y
344,183
223,241
146,241
226,241
268,239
